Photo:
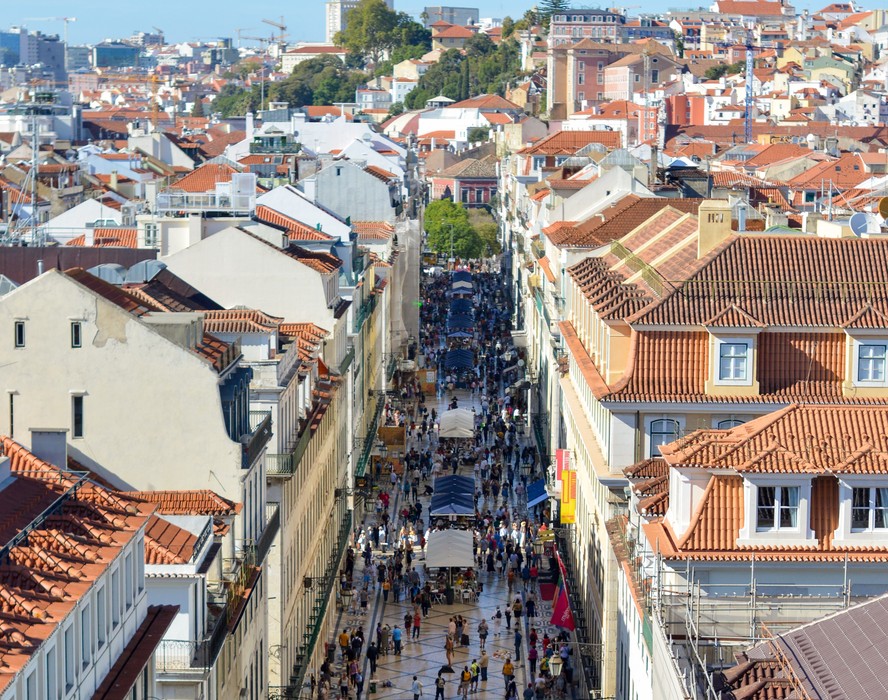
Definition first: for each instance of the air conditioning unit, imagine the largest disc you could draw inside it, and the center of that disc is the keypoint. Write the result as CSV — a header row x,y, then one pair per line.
x,y
554,329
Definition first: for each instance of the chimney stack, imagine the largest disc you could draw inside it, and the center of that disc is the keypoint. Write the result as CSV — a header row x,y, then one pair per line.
x,y
713,224
50,445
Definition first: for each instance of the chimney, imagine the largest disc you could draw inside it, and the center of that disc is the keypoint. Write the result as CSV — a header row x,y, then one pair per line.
x,y
50,445
114,180
249,126
713,224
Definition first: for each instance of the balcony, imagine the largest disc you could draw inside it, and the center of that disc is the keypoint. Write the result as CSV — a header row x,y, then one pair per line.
x,y
347,360
361,467
173,201
255,442
183,656
279,465
275,148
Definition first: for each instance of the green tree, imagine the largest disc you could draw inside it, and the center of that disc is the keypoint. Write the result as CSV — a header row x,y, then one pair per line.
x,y
449,229
198,109
488,235
508,27
547,8
373,29
396,109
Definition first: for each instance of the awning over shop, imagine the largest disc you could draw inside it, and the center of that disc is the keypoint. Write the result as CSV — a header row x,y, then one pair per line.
x,y
462,287
461,306
461,276
536,493
459,334
459,359
446,504
447,548
455,483
457,321
457,423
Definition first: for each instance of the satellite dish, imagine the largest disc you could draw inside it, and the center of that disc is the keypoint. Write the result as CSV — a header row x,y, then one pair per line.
x,y
858,223
883,207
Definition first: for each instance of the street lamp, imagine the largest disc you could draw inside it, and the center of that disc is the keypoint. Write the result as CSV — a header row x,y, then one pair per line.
x,y
538,547
346,595
555,665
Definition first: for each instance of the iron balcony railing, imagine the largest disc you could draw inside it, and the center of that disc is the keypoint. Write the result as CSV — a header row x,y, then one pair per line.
x,y
323,593
361,468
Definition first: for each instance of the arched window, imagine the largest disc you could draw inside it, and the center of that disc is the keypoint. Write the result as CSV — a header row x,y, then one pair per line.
x,y
729,423
663,431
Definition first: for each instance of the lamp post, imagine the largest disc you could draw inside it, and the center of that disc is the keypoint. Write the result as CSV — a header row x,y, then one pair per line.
x,y
555,665
346,595
538,547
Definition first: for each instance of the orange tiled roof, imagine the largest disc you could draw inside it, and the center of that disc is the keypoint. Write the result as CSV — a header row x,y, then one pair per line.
x,y
615,221
296,230
380,173
109,238
569,142
240,321
43,576
204,178
193,502
373,230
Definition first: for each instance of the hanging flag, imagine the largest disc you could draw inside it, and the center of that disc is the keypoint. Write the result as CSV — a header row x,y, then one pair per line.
x,y
561,615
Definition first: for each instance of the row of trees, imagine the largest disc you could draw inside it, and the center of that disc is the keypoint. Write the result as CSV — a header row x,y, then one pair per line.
x,y
450,229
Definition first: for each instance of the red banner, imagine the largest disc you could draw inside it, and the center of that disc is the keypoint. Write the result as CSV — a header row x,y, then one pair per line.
x,y
562,463
561,615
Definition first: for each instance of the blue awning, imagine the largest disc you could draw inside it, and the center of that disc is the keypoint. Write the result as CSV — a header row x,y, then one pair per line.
x,y
461,276
459,359
461,306
536,493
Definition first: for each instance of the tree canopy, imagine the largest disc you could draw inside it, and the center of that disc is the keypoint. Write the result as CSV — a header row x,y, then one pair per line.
x,y
322,80
444,219
485,69
373,29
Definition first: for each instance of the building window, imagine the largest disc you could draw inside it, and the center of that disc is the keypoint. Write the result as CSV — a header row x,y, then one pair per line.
x,y
76,334
733,362
871,363
663,431
85,636
20,334
70,671
31,687
869,509
52,679
115,598
581,78
728,423
150,235
778,508
101,617
77,416
581,66
655,76
129,592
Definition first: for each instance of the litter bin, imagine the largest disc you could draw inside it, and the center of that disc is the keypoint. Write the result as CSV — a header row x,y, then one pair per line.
x,y
448,595
373,687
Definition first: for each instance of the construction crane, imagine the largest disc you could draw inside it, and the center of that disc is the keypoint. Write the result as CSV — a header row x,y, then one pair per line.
x,y
750,48
66,20
280,25
240,31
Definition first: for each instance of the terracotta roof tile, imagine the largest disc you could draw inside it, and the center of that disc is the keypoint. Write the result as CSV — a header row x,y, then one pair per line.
x,y
166,543
569,142
782,281
615,221
204,178
296,230
373,230
240,321
43,576
109,238
194,502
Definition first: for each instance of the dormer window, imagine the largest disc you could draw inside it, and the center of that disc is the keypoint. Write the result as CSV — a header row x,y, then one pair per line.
x,y
869,509
777,508
734,362
871,363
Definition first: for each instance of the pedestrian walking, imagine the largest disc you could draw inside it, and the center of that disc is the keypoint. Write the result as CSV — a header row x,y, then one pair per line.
x,y
417,620
440,684
416,688
397,635
483,631
532,656
372,656
359,685
518,639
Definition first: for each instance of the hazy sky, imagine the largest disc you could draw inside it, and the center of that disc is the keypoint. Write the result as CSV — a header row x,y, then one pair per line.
x,y
203,19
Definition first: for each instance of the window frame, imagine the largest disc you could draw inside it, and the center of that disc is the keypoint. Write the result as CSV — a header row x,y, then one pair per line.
x,y
76,334
78,430
652,445
871,508
779,505
19,337
859,360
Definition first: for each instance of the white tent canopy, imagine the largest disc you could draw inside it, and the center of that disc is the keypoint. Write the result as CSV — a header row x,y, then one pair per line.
x,y
457,423
449,548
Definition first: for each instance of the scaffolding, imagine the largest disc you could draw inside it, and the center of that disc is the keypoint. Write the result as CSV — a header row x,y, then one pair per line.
x,y
706,624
